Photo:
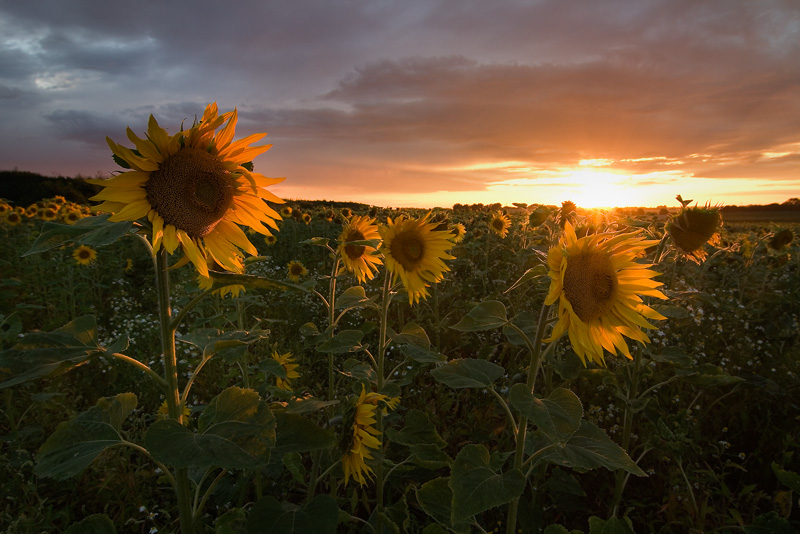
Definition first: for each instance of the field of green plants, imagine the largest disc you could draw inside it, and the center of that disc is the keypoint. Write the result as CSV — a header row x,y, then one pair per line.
x,y
482,425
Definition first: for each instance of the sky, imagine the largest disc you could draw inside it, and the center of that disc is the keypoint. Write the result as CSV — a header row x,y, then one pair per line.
x,y
425,103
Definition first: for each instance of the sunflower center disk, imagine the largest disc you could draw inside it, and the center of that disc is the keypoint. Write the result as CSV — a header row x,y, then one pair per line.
x,y
590,285
354,251
409,250
191,190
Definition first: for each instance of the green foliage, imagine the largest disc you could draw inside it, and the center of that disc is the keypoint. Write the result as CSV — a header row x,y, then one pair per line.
x,y
78,442
320,515
235,431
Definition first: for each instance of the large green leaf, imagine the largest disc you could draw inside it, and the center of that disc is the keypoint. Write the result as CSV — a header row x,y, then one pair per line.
x,y
298,434
468,373
41,354
413,334
788,478
93,524
588,448
558,416
612,525
487,315
235,431
436,499
77,442
353,297
419,430
230,344
343,342
92,231
320,515
477,486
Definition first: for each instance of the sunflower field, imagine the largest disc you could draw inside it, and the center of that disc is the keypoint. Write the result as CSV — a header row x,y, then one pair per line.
x,y
193,354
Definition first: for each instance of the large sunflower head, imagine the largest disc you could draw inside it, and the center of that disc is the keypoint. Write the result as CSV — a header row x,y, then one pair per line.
x,y
500,223
195,189
693,228
362,260
598,284
413,251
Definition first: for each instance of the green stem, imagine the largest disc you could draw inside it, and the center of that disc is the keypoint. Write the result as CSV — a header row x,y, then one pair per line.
x,y
504,404
136,363
171,391
519,452
633,388
387,298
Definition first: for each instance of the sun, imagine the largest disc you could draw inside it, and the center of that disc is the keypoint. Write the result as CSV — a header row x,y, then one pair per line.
x,y
592,188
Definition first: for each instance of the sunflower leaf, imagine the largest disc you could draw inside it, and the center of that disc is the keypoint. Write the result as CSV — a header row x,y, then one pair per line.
x,y
487,315
588,448
250,281
235,431
92,231
40,354
558,416
343,342
77,442
531,274
477,487
320,515
468,373
298,434
436,498
354,297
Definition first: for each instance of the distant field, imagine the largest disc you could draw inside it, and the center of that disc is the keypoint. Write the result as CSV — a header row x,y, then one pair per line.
x,y
761,216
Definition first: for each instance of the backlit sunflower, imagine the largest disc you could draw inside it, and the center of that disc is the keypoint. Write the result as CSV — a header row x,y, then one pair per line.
x,y
362,260
413,251
287,362
357,445
693,228
195,189
500,223
84,255
598,285
296,270
458,232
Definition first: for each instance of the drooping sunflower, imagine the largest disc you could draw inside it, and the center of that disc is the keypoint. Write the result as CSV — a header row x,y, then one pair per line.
x,y
357,445
598,284
362,260
693,228
458,231
296,270
84,255
413,251
500,223
287,362
195,189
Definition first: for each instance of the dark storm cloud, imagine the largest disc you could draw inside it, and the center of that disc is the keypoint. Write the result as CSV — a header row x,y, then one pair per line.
x,y
415,92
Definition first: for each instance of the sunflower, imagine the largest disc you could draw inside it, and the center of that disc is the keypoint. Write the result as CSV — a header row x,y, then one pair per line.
x,y
500,224
693,228
296,270
13,218
413,251
195,189
458,231
287,362
270,239
163,412
357,446
47,214
71,216
306,218
286,212
362,260
84,255
598,283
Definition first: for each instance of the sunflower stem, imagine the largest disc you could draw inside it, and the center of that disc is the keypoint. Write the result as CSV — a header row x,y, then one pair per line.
x,y
386,299
633,372
533,370
171,391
